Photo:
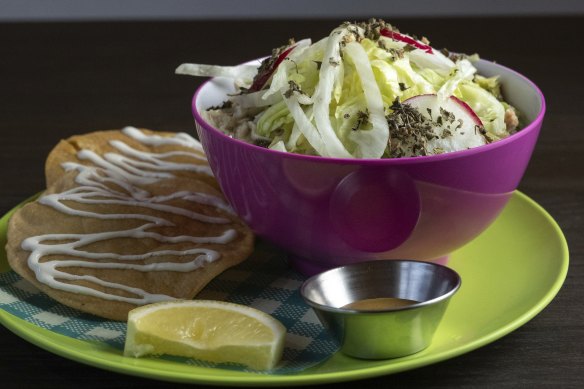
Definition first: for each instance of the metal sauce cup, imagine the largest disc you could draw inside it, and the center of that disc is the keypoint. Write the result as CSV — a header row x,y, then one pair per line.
x,y
387,333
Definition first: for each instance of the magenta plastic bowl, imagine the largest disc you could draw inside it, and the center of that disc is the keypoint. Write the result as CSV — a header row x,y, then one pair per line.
x,y
328,212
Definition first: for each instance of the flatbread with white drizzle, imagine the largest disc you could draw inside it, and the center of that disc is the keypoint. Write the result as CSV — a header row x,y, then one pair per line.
x,y
104,242
180,149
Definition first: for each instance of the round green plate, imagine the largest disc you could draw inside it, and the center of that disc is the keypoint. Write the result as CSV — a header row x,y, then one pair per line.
x,y
529,269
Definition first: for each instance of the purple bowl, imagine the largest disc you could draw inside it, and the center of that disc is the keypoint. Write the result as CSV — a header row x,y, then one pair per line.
x,y
328,212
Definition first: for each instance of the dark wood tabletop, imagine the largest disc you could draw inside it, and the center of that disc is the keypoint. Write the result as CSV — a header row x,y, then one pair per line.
x,y
61,79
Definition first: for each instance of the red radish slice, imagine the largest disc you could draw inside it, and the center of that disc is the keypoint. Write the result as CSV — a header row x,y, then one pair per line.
x,y
459,108
261,80
406,39
456,125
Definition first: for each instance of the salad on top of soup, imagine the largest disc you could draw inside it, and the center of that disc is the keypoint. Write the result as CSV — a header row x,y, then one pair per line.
x,y
365,91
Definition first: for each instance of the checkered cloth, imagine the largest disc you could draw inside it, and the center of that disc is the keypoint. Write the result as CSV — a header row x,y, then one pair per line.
x,y
264,281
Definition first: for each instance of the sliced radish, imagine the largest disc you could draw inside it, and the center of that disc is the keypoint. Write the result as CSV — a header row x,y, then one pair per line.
x,y
406,39
456,125
261,79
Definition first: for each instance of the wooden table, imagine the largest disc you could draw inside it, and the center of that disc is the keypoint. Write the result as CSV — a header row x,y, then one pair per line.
x,y
57,80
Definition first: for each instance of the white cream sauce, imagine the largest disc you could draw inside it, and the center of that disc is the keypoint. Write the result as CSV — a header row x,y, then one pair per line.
x,y
127,170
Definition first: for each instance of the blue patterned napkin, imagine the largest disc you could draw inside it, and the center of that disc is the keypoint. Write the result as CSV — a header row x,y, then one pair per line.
x,y
263,281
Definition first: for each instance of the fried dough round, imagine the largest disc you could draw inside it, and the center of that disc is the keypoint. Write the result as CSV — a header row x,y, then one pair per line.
x,y
183,222
100,142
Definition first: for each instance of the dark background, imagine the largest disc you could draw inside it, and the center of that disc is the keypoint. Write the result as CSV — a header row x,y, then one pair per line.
x,y
60,79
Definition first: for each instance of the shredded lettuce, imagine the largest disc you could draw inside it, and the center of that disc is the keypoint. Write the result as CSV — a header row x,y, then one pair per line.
x,y
490,110
242,74
332,98
372,142
461,72
490,84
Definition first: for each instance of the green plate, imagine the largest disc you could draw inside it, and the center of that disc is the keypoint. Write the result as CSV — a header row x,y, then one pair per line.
x,y
529,268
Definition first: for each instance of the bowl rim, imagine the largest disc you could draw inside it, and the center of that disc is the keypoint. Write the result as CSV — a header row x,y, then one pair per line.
x,y
380,262
530,127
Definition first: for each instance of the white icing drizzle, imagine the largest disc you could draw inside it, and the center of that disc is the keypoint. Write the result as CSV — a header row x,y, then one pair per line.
x,y
126,171
180,139
153,161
